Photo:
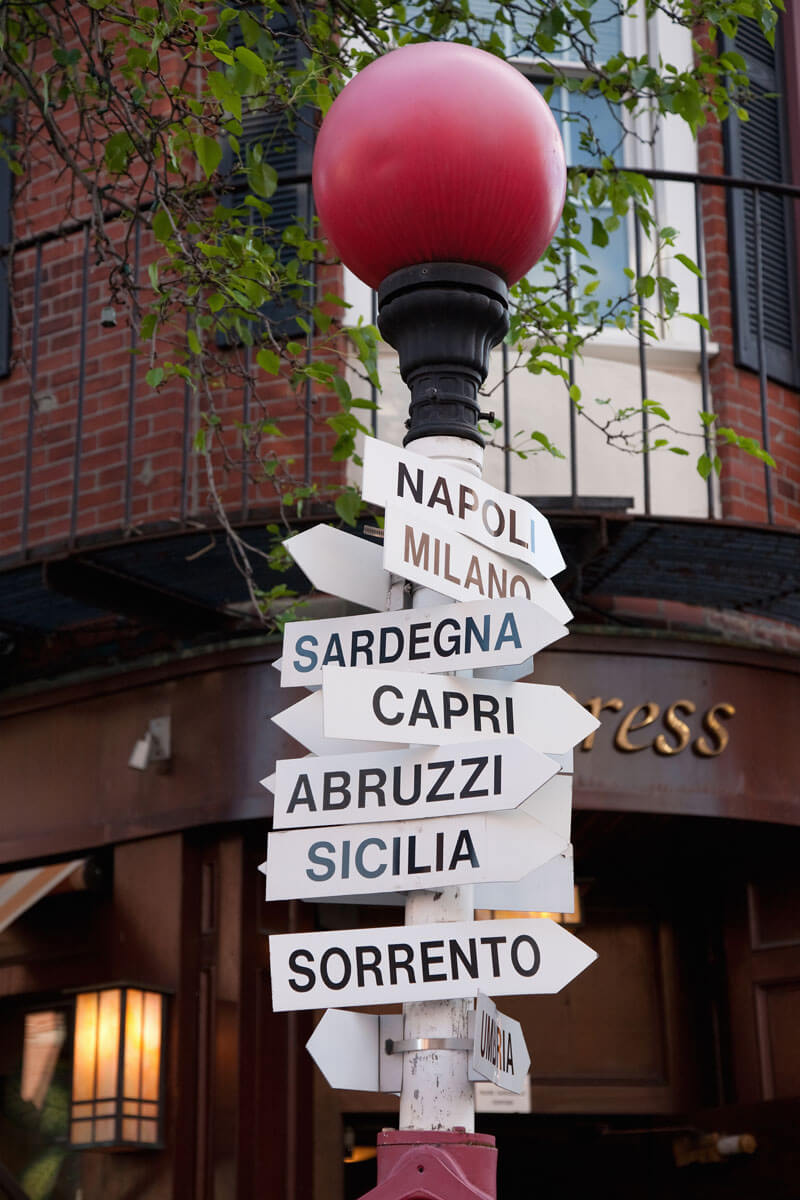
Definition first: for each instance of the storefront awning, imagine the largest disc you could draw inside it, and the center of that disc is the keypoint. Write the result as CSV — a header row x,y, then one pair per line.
x,y
21,889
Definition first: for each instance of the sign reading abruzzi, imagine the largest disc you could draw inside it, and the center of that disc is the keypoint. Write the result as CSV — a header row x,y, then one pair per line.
x,y
423,780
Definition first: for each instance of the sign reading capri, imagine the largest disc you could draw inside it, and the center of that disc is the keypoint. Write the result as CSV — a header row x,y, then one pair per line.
x,y
436,709
423,962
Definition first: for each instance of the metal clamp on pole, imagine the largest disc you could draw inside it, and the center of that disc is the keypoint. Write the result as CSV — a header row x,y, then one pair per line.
x,y
408,1045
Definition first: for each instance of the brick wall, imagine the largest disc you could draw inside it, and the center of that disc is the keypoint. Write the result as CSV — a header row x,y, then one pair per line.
x,y
735,390
100,449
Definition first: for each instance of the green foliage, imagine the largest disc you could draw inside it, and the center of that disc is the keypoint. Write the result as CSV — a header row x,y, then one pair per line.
x,y
161,95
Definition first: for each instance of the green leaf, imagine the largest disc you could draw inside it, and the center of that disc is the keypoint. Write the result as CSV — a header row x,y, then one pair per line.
x,y
704,466
194,342
162,226
348,506
208,151
263,179
687,262
269,361
117,152
155,376
251,61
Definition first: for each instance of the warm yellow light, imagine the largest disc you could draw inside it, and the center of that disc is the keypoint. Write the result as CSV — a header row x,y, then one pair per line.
x,y
502,914
116,1087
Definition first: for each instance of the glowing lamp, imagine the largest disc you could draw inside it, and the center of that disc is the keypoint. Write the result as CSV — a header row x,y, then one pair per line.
x,y
118,1068
439,178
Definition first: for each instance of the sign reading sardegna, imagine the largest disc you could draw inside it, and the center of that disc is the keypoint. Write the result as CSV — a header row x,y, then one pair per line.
x,y
423,779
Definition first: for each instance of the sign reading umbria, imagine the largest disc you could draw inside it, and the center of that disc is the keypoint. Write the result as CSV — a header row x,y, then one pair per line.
x,y
491,517
455,637
424,550
533,956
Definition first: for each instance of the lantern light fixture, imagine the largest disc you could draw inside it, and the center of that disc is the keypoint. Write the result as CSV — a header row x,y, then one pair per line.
x,y
118,1063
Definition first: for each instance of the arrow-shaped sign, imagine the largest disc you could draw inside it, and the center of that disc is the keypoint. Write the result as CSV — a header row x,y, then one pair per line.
x,y
398,784
407,855
482,512
499,1052
342,565
549,888
350,1050
419,547
436,709
423,962
454,637
303,722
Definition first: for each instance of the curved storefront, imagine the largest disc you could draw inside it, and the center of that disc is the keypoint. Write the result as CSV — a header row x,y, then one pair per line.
x,y
685,837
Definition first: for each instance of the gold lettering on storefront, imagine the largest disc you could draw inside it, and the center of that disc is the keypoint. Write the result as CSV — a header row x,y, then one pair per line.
x,y
676,734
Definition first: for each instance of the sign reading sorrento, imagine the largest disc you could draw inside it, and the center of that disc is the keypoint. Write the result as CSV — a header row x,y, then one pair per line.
x,y
532,956
407,855
437,709
454,637
422,548
487,515
391,785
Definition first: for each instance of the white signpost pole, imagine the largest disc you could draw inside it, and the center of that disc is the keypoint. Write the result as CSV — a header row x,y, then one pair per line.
x,y
437,1092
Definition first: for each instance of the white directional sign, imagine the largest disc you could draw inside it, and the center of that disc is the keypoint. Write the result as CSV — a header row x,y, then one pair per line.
x,y
397,784
408,855
485,514
423,962
549,888
455,637
422,548
303,722
499,1053
436,709
350,1050
342,564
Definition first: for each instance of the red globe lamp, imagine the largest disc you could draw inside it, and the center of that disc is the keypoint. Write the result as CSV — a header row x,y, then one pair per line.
x,y
439,179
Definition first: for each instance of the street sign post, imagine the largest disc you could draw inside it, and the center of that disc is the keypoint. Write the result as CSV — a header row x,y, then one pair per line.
x,y
407,855
436,709
499,1052
398,784
454,637
420,547
495,519
530,956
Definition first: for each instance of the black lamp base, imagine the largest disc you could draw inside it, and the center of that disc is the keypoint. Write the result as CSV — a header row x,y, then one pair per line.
x,y
443,319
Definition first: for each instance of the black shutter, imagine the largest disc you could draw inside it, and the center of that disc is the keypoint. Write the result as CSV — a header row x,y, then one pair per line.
x,y
758,149
7,134
288,147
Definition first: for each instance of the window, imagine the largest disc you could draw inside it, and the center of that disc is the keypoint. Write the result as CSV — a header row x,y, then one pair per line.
x,y
759,149
287,148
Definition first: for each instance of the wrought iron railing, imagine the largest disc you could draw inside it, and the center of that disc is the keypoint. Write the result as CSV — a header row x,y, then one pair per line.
x,y
78,463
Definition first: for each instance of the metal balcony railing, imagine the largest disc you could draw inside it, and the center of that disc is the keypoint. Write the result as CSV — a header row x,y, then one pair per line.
x,y
91,453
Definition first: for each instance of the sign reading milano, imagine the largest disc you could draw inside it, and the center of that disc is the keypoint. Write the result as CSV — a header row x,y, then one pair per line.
x,y
454,959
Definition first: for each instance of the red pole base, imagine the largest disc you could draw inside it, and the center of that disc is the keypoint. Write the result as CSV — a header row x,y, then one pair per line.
x,y
431,1165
